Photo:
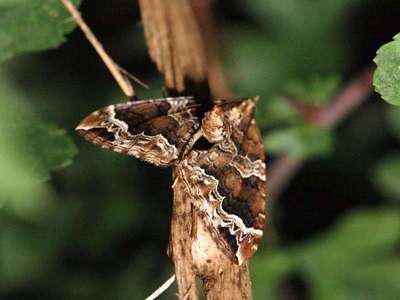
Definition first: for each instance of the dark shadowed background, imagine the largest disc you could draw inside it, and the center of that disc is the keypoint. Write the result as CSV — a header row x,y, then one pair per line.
x,y
97,225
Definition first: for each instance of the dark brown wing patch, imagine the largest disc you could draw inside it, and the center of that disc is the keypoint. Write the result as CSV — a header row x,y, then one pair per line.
x,y
155,131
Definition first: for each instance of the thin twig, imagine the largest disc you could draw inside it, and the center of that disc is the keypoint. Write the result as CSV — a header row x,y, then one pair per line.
x,y
134,78
122,81
162,288
283,169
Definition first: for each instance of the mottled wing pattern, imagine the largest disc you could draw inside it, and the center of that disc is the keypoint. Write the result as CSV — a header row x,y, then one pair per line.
x,y
227,181
221,162
155,131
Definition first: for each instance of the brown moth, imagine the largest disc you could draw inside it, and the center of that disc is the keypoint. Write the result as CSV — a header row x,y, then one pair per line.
x,y
218,155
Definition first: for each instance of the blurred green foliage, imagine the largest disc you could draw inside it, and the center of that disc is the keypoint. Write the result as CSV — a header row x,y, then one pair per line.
x,y
387,170
29,150
393,120
387,174
341,264
297,44
300,142
95,225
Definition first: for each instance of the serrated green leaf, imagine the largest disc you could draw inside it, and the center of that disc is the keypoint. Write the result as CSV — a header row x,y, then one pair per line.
x,y
27,25
387,75
299,142
386,176
45,146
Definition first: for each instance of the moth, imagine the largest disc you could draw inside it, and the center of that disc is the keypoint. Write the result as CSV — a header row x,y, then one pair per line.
x,y
217,153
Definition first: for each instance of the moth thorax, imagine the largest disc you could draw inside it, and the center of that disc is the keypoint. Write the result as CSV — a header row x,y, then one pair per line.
x,y
213,125
235,115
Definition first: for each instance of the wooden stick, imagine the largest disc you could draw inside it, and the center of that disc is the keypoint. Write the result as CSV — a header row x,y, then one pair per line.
x,y
122,81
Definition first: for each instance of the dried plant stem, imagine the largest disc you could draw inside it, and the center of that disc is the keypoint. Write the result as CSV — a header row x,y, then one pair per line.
x,y
283,169
174,41
122,81
162,288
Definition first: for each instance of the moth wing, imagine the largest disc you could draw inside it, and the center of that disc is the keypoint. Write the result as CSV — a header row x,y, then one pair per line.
x,y
242,181
227,182
154,131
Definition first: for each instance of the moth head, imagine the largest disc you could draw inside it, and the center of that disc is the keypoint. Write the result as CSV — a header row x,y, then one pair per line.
x,y
213,126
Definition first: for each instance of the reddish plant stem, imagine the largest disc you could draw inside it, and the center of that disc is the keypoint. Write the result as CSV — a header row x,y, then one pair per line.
x,y
355,93
280,173
351,97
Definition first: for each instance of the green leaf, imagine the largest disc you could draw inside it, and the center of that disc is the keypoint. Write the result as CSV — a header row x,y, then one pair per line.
x,y
45,146
299,142
27,25
387,74
387,176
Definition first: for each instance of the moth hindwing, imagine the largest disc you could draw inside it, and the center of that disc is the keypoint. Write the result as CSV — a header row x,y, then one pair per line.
x,y
220,159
